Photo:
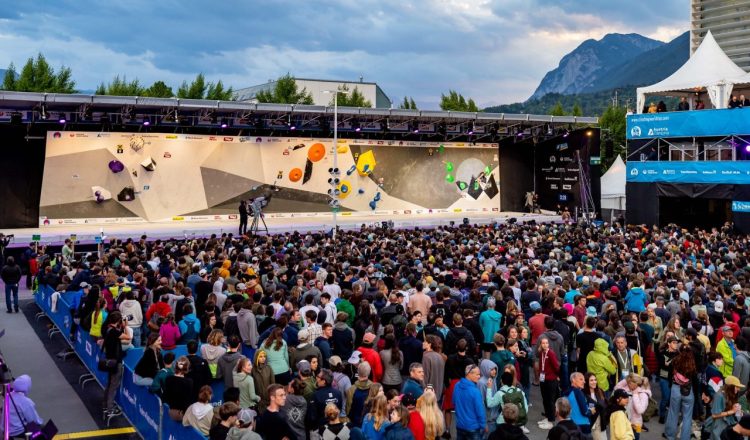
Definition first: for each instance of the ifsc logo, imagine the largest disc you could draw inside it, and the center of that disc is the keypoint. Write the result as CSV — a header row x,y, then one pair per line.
x,y
634,172
635,131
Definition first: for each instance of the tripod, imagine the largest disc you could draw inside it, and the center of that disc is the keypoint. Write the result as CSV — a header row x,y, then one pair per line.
x,y
588,208
257,219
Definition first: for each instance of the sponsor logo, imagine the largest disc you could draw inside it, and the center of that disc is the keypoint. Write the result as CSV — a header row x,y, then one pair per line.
x,y
553,186
457,210
552,159
228,139
233,216
57,135
103,135
212,138
194,137
171,136
245,138
407,211
567,187
178,218
634,172
635,131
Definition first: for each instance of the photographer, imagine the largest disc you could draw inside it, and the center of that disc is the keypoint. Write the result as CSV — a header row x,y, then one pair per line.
x,y
11,276
113,352
22,409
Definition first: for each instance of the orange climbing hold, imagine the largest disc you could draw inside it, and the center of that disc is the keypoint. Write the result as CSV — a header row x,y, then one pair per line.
x,y
295,174
316,152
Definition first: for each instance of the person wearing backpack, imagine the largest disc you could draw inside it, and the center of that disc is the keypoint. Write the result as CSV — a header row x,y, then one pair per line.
x,y
564,429
190,326
509,392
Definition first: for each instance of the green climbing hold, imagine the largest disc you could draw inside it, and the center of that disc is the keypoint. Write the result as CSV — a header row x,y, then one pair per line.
x,y
462,185
441,148
449,178
487,170
449,166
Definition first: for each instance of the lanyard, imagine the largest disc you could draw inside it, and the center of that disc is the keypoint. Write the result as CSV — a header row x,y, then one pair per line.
x,y
624,362
544,358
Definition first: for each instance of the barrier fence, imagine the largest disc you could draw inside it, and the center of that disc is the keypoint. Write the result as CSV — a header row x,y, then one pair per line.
x,y
143,409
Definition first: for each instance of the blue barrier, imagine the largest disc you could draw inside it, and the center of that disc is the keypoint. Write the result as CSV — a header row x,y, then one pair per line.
x,y
141,407
171,430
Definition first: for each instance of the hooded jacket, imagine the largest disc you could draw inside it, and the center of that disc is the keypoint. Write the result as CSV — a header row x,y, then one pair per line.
x,y
24,406
189,319
489,321
199,415
485,367
635,300
131,308
506,431
294,411
637,403
225,365
248,327
601,363
355,401
246,385
236,433
301,352
373,358
741,369
467,401
262,377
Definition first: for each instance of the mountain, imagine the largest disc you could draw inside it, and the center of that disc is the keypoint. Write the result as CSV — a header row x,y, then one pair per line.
x,y
594,91
589,61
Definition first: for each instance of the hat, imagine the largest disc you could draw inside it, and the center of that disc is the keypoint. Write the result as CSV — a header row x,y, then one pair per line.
x,y
368,338
240,287
568,308
355,358
727,328
246,416
732,380
303,335
745,421
620,393
363,370
84,285
120,280
585,281
202,272
719,307
736,288
334,361
535,305
304,367
591,311
408,400
628,325
615,290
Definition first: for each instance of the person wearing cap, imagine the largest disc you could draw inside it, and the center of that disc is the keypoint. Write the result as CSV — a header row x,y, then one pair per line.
x,y
727,349
619,425
371,356
304,348
244,428
357,395
724,408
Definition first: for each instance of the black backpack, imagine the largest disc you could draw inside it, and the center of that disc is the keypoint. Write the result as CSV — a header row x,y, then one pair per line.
x,y
570,434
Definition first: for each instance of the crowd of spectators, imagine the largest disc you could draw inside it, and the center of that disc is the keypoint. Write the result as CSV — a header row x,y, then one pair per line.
x,y
399,334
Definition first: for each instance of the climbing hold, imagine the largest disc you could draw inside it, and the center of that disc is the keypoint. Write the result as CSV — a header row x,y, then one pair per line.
x,y
449,178
116,166
316,152
295,174
366,163
342,149
345,188
360,191
373,205
377,197
449,166
351,170
441,148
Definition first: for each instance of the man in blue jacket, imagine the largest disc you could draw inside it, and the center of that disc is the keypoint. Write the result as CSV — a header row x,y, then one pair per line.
x,y
580,412
635,300
471,420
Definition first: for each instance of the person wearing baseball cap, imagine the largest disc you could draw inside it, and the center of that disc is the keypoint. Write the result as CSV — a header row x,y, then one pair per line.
x,y
371,356
619,425
722,414
726,348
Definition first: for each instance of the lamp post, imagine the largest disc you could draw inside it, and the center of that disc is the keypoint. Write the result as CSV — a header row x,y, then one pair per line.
x,y
335,94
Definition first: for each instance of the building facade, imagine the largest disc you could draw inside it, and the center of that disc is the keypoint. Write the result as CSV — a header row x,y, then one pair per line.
x,y
728,21
317,87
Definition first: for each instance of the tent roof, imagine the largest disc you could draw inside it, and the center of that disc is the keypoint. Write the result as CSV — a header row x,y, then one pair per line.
x,y
708,66
613,181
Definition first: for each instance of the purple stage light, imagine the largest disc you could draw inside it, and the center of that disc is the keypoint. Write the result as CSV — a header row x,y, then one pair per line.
x,y
224,125
293,127
747,148
357,129
62,120
146,122
471,132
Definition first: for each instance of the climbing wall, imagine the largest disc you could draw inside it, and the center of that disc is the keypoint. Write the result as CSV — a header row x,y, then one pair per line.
x,y
156,177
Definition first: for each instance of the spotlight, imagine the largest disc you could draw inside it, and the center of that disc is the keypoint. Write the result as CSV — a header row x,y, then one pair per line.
x,y
589,133
61,118
146,121
747,148
292,127
355,125
358,129
224,123
565,133
43,114
470,128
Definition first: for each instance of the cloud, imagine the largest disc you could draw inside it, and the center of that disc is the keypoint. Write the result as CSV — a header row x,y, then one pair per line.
x,y
495,51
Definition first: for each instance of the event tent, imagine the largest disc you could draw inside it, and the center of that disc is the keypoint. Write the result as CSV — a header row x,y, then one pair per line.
x,y
613,189
709,71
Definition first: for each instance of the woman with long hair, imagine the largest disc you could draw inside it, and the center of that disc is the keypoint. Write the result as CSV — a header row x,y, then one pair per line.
x,y
549,383
525,358
278,356
376,390
178,390
427,406
207,326
243,380
97,318
595,399
724,408
263,377
150,363
169,332
213,350
619,424
398,429
393,361
681,398
375,422
674,326
640,393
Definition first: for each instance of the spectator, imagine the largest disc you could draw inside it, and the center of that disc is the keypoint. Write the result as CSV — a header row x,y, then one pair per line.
x,y
471,422
619,424
564,428
178,390
244,428
371,356
358,392
432,417
433,363
392,360
508,430
199,414
295,408
489,320
549,373
272,425
228,413
157,386
726,348
227,363
398,428
243,380
113,352
376,421
683,105
414,385
11,276
169,332
150,363
333,427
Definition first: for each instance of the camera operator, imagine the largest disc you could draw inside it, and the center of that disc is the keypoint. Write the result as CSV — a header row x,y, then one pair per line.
x,y
11,276
4,242
22,409
112,345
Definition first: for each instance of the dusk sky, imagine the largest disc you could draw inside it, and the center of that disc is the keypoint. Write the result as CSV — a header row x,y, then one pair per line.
x,y
493,51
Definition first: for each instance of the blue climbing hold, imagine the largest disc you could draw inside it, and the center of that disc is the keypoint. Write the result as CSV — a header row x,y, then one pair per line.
x,y
373,205
351,170
377,197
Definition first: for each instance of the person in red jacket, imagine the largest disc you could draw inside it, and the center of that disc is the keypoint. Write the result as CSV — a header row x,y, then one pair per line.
x,y
549,380
416,423
161,308
371,356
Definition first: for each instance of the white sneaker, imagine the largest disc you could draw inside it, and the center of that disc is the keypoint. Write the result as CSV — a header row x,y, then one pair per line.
x,y
546,425
525,429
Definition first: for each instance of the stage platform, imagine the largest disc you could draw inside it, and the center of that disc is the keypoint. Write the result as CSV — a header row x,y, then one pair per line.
x,y
55,235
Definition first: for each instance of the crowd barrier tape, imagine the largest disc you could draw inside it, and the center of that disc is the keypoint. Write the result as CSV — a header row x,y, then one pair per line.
x,y
143,409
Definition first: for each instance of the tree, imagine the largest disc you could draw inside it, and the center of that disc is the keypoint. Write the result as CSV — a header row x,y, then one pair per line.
x,y
353,99
612,124
456,102
38,76
577,111
200,89
408,104
285,92
159,90
557,110
218,93
121,87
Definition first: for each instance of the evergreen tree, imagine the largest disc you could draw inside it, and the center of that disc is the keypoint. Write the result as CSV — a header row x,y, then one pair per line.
x,y
557,110
455,101
121,87
408,104
9,81
38,76
577,110
353,99
159,90
285,92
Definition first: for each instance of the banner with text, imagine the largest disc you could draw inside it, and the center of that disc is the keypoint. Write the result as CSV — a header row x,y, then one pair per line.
x,y
737,173
698,123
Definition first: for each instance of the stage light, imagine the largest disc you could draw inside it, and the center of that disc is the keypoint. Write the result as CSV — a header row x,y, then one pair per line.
x,y
61,118
565,133
747,148
589,133
146,121
355,125
224,123
470,128
292,127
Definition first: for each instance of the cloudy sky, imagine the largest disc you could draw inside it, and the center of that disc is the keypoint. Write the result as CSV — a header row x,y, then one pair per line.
x,y
495,51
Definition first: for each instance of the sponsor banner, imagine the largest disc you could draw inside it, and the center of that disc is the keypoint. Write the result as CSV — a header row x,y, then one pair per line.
x,y
141,407
721,122
737,173
740,206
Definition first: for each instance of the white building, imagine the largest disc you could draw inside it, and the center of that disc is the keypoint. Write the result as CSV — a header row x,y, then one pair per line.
x,y
728,21
371,91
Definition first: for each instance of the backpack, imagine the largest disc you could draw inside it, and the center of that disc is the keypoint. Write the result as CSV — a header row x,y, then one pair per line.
x,y
569,434
515,396
191,334
651,409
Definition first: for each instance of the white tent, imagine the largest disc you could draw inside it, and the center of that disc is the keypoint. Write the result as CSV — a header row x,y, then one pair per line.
x,y
613,188
709,70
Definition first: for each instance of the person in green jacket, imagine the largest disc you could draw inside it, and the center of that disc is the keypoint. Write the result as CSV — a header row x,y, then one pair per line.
x,y
601,363
344,305
727,350
157,386
243,379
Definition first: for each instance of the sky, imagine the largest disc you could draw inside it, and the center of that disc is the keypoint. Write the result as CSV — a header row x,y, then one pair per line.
x,y
494,51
